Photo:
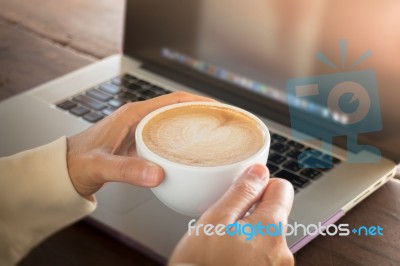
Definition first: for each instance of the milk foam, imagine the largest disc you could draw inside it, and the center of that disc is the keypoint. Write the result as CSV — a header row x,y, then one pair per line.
x,y
201,135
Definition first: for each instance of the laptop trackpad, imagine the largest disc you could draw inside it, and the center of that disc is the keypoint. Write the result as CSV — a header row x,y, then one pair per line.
x,y
121,198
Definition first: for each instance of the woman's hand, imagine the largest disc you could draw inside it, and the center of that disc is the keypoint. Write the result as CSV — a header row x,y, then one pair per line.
x,y
274,197
106,152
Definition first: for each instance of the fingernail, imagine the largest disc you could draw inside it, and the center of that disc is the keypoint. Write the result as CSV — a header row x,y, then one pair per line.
x,y
258,171
150,174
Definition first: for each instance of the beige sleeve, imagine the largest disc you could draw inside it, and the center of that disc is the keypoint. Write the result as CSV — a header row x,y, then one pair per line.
x,y
37,198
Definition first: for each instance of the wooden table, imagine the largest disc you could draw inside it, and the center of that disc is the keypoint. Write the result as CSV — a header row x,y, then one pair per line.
x,y
41,40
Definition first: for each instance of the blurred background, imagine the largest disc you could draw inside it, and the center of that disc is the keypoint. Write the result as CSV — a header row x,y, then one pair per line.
x,y
42,39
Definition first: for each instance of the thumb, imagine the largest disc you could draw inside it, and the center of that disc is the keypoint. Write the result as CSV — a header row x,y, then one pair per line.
x,y
132,170
275,204
244,192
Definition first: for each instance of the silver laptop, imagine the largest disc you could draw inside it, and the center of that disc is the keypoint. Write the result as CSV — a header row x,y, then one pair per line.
x,y
250,54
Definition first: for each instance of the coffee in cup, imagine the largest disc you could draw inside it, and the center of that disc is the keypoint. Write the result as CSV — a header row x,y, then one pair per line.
x,y
203,135
202,147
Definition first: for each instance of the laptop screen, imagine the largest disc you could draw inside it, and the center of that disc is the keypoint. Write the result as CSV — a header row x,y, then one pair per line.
x,y
327,68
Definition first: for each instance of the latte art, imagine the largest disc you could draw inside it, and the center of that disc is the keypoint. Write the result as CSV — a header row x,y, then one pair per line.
x,y
201,135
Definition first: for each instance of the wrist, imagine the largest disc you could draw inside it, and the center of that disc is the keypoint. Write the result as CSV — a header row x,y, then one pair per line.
x,y
80,166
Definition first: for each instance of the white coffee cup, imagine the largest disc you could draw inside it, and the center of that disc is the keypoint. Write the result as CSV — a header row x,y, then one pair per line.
x,y
190,190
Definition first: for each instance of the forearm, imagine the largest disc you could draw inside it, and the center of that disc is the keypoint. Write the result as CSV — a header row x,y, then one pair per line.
x,y
37,198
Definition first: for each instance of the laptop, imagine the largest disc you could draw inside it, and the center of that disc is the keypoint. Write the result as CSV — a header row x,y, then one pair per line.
x,y
243,53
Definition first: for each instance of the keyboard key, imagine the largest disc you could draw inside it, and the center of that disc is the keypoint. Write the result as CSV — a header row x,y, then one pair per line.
x,y
311,173
129,96
278,137
295,154
99,95
159,90
279,147
129,78
296,180
79,110
292,166
272,168
90,102
93,117
144,98
110,88
66,105
276,158
134,86
107,111
116,102
312,162
313,152
121,82
330,158
143,83
148,93
295,144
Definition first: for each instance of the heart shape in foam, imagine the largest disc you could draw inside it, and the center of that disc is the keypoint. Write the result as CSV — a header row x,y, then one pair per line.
x,y
205,137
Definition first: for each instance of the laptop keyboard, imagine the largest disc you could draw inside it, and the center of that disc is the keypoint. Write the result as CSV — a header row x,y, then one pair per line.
x,y
295,162
287,159
102,100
